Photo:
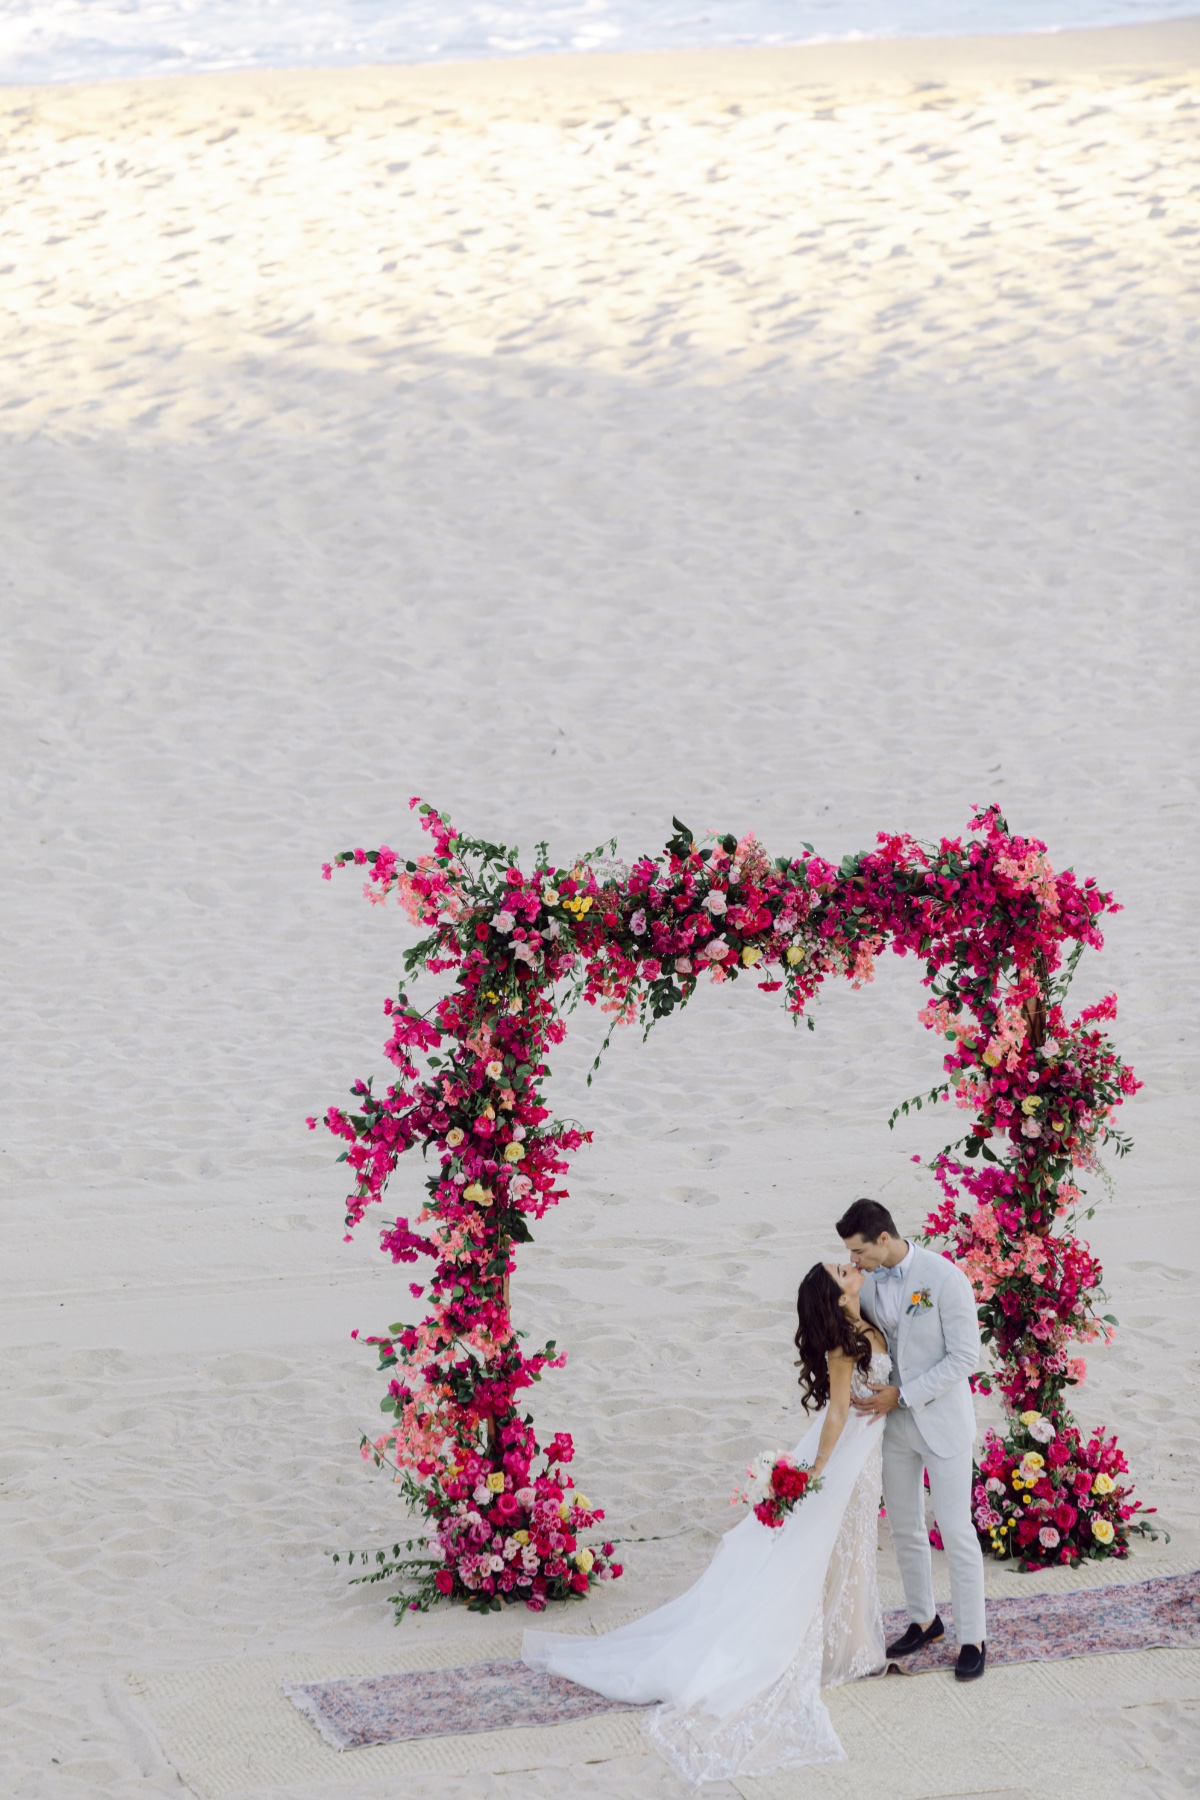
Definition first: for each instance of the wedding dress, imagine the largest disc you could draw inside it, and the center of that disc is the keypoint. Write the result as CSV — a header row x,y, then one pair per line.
x,y
738,1661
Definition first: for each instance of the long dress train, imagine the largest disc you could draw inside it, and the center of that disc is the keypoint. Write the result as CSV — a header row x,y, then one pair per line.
x,y
738,1661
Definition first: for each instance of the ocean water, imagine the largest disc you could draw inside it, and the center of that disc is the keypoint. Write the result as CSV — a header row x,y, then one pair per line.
x,y
73,40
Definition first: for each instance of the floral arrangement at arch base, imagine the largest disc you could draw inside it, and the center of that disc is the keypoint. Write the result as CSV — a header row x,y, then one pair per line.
x,y
998,934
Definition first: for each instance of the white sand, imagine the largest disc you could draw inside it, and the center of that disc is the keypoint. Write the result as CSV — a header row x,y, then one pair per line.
x,y
800,440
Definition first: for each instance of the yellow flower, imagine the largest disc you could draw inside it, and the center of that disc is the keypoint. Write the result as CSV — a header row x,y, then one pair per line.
x,y
1103,1484
1030,1104
1018,1484
520,1537
494,1482
585,905
1032,1460
750,955
584,1560
564,1512
991,1058
454,1138
1030,1418
582,1500
550,896
795,955
477,1194
1102,1531
513,1152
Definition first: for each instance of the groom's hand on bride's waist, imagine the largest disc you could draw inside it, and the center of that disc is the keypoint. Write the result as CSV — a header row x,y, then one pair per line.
x,y
883,1400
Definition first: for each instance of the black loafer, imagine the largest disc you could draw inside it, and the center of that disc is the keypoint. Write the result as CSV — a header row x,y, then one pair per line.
x,y
972,1661
917,1636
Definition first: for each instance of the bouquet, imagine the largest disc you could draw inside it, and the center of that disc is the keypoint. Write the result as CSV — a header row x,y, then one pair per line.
x,y
775,1487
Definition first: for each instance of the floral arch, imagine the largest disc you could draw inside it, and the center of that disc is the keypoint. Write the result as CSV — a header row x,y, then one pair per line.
x,y
999,934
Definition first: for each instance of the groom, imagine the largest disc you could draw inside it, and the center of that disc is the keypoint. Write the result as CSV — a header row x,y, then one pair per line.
x,y
925,1307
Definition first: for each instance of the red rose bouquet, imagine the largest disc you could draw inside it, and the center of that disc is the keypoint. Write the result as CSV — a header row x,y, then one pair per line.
x,y
775,1487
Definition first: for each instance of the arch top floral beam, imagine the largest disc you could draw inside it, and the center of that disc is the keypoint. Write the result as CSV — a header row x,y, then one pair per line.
x,y
998,932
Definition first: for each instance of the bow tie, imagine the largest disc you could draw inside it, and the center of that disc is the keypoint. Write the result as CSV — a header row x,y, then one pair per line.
x,y
889,1274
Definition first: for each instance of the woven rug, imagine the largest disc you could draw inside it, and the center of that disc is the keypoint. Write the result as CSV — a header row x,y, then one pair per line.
x,y
494,1696
1145,1615
483,1696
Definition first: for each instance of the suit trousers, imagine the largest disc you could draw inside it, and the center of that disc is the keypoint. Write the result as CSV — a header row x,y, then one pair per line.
x,y
906,1456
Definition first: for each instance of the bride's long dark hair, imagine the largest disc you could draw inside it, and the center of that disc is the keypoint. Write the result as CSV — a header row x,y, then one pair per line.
x,y
824,1325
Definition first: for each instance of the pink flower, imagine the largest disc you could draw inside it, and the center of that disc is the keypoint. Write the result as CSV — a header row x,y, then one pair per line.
x,y
1048,1537
716,950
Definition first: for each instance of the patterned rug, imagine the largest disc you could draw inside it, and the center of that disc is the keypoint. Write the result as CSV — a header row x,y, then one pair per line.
x,y
483,1696
1145,1615
493,1696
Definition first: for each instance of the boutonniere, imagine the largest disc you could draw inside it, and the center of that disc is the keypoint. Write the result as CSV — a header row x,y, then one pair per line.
x,y
920,1301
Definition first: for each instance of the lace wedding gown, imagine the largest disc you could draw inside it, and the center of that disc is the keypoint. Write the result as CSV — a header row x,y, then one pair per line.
x,y
738,1662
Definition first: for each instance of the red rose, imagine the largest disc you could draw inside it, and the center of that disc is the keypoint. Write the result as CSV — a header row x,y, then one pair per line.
x,y
444,1581
788,1483
617,1569
579,1582
481,931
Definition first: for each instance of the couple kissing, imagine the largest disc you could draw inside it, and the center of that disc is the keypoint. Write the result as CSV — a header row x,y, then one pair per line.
x,y
733,1669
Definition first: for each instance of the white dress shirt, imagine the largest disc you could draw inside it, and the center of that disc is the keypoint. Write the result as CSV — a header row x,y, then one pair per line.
x,y
890,1289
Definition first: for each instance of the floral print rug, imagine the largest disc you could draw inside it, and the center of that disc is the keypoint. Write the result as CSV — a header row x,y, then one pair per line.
x,y
495,1696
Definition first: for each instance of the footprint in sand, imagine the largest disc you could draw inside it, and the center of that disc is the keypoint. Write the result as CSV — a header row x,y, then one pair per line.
x,y
706,1156
690,1196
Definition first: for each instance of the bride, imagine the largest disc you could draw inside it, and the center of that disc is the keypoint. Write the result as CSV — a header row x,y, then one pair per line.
x,y
738,1662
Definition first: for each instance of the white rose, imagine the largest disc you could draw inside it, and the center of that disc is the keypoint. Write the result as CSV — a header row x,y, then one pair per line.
x,y
504,921
716,903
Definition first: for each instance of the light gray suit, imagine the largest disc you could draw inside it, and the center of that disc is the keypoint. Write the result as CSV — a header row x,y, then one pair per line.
x,y
934,1348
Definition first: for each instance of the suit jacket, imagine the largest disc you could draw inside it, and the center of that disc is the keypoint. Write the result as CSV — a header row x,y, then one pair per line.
x,y
934,1349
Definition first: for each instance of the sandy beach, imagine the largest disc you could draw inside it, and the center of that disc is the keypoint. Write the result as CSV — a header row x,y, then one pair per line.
x,y
799,440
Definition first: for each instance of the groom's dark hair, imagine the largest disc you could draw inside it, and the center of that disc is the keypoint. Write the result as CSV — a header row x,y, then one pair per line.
x,y
866,1219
